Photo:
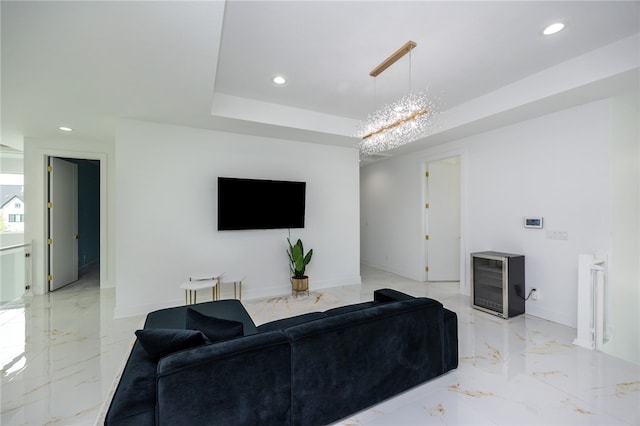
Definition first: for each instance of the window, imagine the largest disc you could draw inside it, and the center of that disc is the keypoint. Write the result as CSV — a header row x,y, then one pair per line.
x,y
17,205
16,218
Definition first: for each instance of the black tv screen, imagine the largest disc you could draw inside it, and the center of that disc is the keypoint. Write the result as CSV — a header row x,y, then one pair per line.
x,y
260,204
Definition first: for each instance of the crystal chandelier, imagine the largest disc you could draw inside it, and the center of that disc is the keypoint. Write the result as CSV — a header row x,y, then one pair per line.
x,y
400,122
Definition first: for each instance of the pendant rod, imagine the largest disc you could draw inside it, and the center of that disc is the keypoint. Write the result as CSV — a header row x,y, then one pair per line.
x,y
393,58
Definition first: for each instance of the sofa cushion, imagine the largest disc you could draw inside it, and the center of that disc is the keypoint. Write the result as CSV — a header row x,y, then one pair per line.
x,y
216,329
229,309
162,341
281,324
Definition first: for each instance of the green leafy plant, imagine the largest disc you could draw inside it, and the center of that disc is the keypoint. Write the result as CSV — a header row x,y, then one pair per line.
x,y
298,260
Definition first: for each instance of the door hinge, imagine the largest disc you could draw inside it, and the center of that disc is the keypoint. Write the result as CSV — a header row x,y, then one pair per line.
x,y
426,237
49,241
426,269
426,174
426,206
49,168
49,277
49,205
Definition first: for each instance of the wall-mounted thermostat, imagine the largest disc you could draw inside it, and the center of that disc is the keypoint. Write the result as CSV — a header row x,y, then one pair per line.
x,y
533,222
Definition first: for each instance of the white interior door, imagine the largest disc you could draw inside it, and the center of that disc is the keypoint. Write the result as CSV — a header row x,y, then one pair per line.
x,y
63,223
443,223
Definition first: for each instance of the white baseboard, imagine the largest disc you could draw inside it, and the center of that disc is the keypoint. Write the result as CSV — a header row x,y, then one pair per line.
x,y
335,283
559,317
584,343
130,311
388,268
249,293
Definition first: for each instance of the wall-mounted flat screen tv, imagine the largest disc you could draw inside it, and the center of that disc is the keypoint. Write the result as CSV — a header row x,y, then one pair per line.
x,y
260,204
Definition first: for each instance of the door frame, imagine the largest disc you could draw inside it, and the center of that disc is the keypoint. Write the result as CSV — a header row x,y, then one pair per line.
x,y
464,267
42,283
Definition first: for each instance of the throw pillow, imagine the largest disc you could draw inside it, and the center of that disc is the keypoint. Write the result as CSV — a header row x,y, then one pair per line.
x,y
159,342
216,329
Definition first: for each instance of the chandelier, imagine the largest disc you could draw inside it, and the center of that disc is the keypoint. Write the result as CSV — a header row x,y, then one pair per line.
x,y
399,122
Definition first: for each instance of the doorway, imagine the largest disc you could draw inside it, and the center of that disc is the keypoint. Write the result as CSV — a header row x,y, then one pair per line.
x,y
73,220
442,219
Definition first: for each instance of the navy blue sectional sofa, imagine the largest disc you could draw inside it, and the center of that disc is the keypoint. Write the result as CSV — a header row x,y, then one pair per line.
x,y
312,369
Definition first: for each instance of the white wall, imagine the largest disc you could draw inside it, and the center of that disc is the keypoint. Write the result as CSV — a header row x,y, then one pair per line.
x,y
556,166
624,277
166,213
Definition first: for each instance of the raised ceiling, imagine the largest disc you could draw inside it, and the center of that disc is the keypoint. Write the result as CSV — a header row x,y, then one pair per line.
x,y
210,64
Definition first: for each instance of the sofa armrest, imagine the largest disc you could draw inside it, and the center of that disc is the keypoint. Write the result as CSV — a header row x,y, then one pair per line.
x,y
449,340
390,295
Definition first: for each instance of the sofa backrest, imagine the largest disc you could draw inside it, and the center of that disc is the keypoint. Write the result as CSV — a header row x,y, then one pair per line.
x,y
245,380
344,363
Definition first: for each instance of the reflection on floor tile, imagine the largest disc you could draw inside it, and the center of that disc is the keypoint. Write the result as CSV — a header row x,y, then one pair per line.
x,y
61,353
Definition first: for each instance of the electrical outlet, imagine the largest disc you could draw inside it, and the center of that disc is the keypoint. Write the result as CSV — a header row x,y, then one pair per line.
x,y
534,294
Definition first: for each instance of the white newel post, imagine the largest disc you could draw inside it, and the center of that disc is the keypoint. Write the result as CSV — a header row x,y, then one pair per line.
x,y
591,301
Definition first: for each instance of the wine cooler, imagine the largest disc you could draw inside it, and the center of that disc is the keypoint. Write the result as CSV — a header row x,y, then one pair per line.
x,y
497,283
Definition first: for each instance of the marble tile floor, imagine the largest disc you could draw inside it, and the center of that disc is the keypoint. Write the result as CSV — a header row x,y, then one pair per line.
x,y
61,352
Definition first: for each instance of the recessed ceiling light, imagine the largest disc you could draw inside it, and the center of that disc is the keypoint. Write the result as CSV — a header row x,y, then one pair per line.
x,y
553,28
279,80
65,129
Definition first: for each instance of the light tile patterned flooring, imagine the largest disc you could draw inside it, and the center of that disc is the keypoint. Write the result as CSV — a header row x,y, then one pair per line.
x,y
61,352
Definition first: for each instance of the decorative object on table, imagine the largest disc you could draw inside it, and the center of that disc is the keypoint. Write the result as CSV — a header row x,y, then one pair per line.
x,y
400,122
298,262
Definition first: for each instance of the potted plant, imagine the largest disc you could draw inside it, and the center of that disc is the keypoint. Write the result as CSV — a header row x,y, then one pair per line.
x,y
297,264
